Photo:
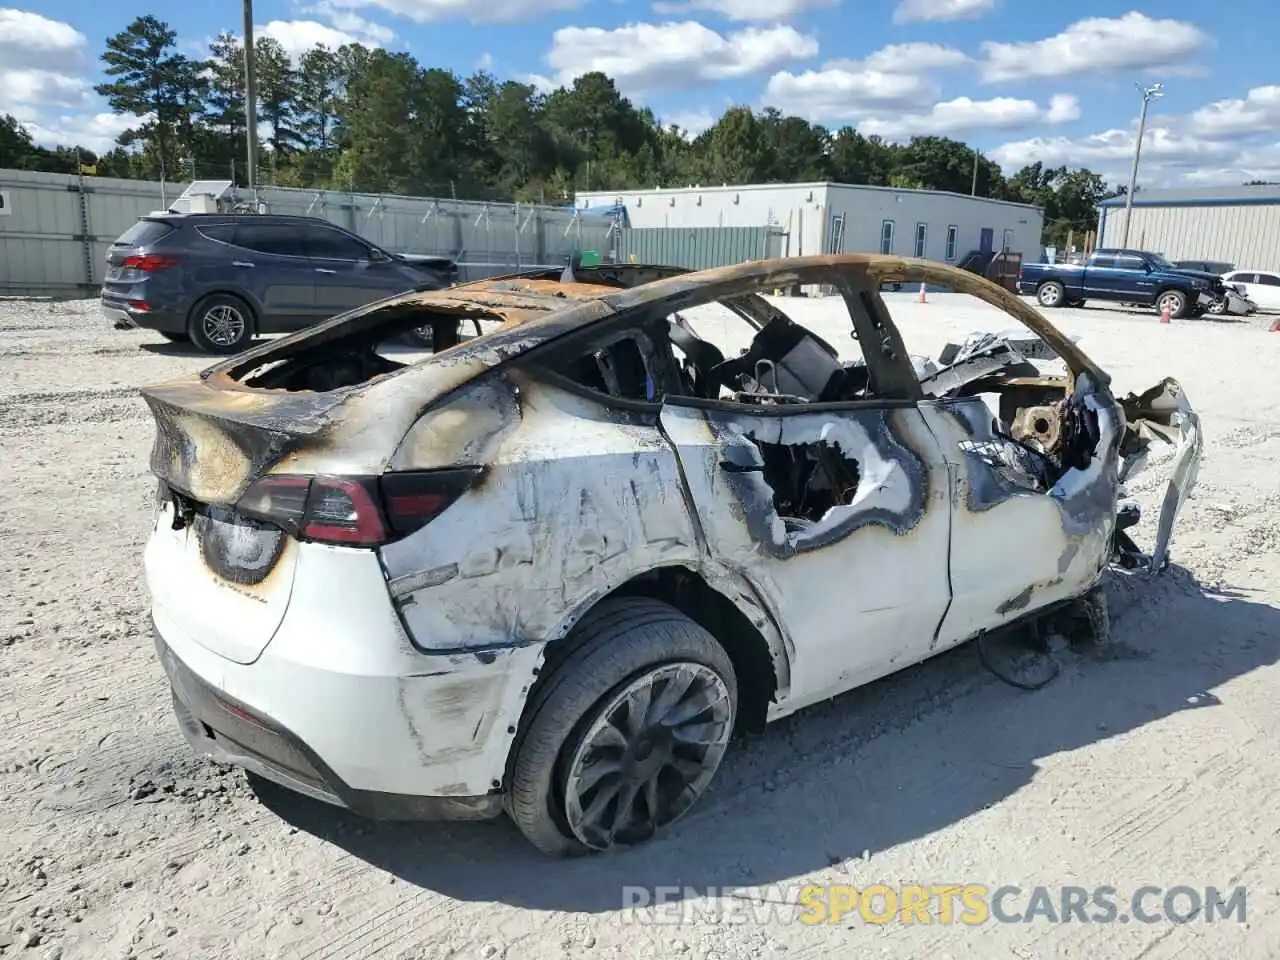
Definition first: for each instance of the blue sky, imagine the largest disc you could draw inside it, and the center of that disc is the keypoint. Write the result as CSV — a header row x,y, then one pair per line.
x,y
1022,81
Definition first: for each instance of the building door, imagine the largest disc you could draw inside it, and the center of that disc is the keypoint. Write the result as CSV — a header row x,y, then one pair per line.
x,y
986,240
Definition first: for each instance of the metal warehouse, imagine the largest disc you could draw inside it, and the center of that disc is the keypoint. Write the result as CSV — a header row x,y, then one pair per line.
x,y
843,218
1239,225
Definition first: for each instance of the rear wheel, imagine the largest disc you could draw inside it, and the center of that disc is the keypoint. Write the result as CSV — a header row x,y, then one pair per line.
x,y
1218,307
221,323
1051,294
625,734
1176,301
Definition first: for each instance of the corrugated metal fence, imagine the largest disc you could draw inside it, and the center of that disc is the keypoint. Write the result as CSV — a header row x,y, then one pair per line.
x,y
55,230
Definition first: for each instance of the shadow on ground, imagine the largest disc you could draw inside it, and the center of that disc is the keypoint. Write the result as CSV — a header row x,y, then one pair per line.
x,y
881,766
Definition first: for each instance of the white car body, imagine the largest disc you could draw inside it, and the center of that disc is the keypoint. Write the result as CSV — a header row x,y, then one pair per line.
x,y
394,676
1262,287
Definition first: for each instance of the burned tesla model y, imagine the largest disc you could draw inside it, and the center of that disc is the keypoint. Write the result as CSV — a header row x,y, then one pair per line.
x,y
551,568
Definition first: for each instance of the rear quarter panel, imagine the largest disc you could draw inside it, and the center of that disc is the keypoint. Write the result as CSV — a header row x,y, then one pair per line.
x,y
1071,277
578,498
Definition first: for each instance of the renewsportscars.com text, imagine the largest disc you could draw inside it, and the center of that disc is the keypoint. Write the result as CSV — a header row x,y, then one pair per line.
x,y
969,904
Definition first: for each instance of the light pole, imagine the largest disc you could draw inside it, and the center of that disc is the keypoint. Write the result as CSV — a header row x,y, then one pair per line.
x,y
250,98
1153,92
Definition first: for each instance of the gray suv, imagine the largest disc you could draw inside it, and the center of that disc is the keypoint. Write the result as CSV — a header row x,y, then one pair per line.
x,y
220,279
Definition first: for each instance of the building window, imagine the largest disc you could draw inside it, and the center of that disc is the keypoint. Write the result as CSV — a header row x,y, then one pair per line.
x,y
922,238
886,237
1006,241
952,233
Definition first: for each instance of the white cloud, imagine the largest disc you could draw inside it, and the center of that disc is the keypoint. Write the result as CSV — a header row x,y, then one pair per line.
x,y
487,11
1133,41
1258,112
691,122
1063,108
370,33
296,37
28,40
1227,141
915,58
893,78
96,132
909,11
26,90
485,61
42,65
643,57
846,92
962,115
1167,154
768,11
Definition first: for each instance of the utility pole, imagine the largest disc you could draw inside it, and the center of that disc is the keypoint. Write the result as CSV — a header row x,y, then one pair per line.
x,y
250,98
1153,92
973,191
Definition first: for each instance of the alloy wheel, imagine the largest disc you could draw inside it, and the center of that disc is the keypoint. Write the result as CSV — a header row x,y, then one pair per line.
x,y
648,755
223,325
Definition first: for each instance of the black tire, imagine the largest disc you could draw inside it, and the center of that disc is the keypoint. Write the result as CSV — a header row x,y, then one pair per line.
x,y
1075,304
175,337
619,641
1218,307
1179,305
208,316
1051,294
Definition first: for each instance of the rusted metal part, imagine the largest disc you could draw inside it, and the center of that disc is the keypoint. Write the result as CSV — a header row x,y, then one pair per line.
x,y
1041,426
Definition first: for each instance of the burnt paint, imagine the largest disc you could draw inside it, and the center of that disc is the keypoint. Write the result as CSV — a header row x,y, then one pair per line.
x,y
742,464
269,425
237,549
996,469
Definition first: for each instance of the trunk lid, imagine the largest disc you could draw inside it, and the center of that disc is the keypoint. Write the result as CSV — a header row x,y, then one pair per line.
x,y
211,443
216,576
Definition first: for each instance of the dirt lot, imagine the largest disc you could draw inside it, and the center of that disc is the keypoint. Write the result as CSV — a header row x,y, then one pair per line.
x,y
1154,765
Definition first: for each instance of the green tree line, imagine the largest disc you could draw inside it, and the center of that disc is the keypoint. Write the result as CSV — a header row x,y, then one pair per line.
x,y
353,118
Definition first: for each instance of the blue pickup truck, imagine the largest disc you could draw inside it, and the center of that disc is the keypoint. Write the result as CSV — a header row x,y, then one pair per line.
x,y
1129,276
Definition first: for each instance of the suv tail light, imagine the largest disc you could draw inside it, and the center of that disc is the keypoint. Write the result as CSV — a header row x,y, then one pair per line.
x,y
356,511
150,262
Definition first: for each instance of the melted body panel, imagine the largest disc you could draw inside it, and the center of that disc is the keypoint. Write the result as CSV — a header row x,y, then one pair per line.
x,y
1015,544
837,585
578,499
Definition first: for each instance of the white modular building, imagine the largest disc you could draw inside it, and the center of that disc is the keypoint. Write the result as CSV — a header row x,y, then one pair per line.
x,y
843,218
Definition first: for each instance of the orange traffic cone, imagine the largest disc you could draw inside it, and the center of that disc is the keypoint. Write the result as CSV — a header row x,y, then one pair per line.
x,y
1166,314
1275,327
923,299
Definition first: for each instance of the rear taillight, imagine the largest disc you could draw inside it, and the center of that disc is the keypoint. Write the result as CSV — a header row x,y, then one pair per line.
x,y
150,262
356,511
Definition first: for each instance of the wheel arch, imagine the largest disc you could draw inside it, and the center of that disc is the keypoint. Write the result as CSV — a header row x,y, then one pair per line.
x,y
1188,298
255,309
759,653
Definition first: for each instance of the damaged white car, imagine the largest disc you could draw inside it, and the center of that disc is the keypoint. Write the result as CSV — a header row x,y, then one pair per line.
x,y
552,568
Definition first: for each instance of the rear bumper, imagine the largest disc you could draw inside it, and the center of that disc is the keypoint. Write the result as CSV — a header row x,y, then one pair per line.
x,y
227,731
123,317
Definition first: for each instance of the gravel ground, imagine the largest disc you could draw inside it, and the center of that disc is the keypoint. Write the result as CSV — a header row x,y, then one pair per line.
x,y
1151,765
